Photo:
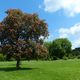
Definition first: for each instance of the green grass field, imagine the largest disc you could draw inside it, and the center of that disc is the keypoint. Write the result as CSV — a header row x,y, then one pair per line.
x,y
41,70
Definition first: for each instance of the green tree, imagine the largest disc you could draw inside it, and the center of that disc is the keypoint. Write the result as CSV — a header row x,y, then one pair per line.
x,y
60,47
20,34
48,45
76,52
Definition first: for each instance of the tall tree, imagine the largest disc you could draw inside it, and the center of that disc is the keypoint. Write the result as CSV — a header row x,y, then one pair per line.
x,y
48,46
20,34
60,47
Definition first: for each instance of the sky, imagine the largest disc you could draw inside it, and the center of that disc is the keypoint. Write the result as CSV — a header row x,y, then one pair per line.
x,y
62,16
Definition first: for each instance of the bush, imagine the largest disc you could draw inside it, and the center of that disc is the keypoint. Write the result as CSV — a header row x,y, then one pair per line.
x,y
65,58
70,56
78,57
55,58
2,58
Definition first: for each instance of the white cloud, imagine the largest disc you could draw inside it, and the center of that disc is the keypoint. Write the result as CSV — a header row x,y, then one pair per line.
x,y
71,32
65,32
70,7
76,43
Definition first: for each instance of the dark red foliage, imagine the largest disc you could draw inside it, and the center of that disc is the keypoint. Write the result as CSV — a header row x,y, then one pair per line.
x,y
20,34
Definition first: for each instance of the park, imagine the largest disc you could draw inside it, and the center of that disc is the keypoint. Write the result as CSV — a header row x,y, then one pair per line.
x,y
32,48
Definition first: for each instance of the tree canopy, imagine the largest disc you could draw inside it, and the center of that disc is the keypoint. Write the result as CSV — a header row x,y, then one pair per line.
x,y
59,48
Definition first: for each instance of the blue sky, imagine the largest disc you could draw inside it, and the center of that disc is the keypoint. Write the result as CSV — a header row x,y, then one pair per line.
x,y
62,16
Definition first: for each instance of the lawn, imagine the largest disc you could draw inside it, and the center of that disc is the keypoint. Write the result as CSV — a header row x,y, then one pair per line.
x,y
41,70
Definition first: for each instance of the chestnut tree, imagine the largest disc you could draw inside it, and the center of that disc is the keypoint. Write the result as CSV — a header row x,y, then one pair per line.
x,y
20,35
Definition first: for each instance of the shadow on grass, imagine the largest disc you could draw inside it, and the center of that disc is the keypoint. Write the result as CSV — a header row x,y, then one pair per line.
x,y
14,69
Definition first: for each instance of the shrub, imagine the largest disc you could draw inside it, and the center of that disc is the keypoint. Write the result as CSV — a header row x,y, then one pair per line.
x,y
78,56
65,58
70,56
2,58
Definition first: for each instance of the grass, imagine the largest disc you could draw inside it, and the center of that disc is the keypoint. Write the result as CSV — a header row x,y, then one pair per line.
x,y
41,70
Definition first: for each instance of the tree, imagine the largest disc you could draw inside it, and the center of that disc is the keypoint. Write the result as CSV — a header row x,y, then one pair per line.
x,y
76,52
20,34
60,48
48,45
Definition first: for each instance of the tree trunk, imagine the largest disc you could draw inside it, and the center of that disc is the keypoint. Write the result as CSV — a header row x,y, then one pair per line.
x,y
18,63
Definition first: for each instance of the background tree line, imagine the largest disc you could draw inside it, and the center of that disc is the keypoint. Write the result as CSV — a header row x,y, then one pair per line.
x,y
61,48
